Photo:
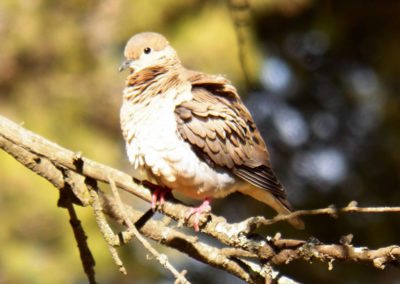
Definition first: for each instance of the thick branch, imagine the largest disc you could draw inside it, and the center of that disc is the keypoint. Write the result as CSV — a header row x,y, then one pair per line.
x,y
160,232
59,165
313,250
67,170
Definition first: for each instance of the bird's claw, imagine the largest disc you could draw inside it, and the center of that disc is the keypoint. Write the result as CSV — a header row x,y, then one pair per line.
x,y
158,197
205,207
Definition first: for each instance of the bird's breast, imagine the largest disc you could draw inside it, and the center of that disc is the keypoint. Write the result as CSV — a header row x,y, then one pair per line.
x,y
160,155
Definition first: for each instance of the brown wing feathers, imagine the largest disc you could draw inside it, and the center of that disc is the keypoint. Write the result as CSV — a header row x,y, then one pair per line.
x,y
262,177
221,130
214,131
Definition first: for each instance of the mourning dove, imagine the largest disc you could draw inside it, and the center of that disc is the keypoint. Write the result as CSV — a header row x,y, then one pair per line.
x,y
190,132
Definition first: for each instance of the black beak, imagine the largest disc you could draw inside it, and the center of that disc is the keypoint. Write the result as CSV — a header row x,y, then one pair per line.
x,y
124,65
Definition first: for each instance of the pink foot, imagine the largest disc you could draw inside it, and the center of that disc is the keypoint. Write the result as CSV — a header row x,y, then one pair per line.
x,y
205,207
158,195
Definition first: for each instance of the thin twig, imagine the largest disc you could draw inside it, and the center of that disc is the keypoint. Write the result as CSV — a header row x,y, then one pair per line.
x,y
161,258
111,239
87,259
332,211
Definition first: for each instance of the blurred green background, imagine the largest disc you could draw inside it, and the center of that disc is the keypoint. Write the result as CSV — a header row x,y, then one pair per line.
x,y
324,83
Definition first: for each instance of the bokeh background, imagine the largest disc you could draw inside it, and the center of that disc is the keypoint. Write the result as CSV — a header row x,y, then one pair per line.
x,y
323,83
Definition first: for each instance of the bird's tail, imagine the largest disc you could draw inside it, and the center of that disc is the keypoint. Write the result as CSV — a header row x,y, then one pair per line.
x,y
282,206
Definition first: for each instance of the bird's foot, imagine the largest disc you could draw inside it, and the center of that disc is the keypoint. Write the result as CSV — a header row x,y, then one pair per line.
x,y
158,195
205,207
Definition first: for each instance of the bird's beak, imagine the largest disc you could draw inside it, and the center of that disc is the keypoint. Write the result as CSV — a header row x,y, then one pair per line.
x,y
125,65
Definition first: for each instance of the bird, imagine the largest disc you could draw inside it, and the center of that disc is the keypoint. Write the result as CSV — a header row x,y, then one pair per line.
x,y
190,132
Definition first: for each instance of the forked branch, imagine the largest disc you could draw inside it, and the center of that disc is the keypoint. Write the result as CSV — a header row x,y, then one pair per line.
x,y
253,259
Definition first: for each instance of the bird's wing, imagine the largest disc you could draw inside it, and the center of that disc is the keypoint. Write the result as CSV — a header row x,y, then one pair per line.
x,y
222,132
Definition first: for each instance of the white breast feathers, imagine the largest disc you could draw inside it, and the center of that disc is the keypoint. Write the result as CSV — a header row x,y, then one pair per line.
x,y
160,155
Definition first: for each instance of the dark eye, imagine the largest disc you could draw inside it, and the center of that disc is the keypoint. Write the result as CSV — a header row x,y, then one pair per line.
x,y
147,50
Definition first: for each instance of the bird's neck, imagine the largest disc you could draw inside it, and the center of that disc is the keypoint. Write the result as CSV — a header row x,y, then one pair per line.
x,y
153,81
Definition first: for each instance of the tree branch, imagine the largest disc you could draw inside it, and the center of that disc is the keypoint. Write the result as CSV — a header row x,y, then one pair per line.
x,y
87,259
247,255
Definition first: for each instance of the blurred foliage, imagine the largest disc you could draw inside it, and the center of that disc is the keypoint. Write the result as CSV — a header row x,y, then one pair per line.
x,y
326,100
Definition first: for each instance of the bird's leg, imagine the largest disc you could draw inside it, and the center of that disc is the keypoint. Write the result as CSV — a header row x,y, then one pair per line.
x,y
158,194
163,192
205,207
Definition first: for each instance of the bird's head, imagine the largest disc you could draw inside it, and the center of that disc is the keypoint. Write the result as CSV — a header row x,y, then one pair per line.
x,y
147,49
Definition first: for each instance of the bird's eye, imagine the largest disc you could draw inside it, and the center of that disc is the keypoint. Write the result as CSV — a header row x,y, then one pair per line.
x,y
147,50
